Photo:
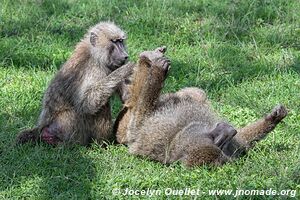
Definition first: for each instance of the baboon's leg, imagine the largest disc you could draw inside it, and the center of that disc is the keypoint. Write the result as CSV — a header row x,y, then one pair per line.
x,y
138,80
248,135
146,87
120,126
30,135
102,127
62,129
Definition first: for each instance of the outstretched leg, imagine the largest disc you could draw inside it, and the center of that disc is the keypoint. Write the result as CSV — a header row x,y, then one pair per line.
x,y
248,135
144,91
147,83
61,129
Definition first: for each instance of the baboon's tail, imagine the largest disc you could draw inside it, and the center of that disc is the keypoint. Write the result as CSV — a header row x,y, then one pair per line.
x,y
247,136
29,135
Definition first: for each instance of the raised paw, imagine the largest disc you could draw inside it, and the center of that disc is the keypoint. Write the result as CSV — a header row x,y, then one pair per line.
x,y
151,56
277,114
163,63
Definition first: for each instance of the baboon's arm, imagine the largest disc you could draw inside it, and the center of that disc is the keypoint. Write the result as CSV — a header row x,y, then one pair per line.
x,y
123,90
93,97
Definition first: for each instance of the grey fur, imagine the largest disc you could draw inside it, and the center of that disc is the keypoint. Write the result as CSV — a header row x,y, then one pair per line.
x,y
76,104
181,126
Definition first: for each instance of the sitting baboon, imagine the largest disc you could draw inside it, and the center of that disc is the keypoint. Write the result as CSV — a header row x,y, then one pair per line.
x,y
76,105
182,125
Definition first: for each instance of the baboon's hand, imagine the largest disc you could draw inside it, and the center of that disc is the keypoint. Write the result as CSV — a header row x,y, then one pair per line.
x,y
126,70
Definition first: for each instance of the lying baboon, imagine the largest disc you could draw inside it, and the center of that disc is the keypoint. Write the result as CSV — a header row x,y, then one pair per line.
x,y
182,125
76,104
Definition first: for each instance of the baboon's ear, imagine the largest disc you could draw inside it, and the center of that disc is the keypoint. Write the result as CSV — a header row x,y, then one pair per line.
x,y
93,38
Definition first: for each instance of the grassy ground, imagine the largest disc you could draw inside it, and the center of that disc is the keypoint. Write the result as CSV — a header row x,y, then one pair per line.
x,y
245,54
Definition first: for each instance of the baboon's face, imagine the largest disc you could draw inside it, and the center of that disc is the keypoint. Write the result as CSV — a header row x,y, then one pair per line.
x,y
108,45
117,53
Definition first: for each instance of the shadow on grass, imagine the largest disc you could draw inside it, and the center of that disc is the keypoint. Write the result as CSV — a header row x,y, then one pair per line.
x,y
296,65
68,27
33,40
193,75
47,172
43,11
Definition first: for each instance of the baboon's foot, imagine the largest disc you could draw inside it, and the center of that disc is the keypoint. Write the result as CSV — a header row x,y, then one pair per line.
x,y
163,63
153,55
27,136
157,58
277,114
222,134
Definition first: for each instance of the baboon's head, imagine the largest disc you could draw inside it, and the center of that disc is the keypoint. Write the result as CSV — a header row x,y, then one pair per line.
x,y
108,44
195,93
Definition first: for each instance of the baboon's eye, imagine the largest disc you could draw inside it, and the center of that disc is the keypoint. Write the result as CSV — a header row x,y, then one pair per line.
x,y
117,40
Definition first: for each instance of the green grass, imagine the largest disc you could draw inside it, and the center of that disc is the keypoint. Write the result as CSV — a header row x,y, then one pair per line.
x,y
244,54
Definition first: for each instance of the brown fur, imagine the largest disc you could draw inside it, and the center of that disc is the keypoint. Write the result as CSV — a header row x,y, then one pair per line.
x,y
181,126
76,104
